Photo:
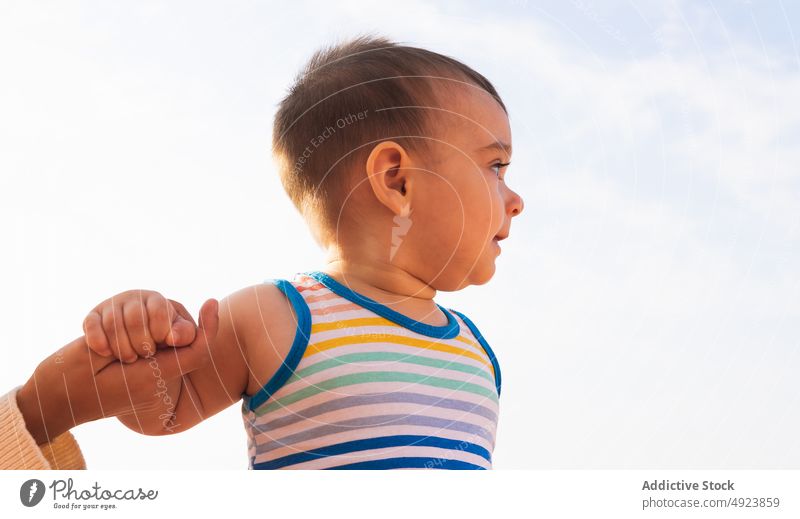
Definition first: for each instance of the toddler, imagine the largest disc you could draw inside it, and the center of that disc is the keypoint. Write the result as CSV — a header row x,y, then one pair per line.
x,y
396,157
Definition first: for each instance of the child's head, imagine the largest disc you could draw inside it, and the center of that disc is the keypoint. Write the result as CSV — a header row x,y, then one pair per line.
x,y
394,155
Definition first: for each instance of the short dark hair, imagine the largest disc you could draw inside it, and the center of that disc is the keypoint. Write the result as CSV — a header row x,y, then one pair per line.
x,y
349,97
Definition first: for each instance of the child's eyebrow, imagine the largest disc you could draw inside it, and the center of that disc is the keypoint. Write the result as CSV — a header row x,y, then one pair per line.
x,y
497,145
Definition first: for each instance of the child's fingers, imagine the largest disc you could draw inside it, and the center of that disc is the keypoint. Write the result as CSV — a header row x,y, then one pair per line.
x,y
180,361
205,337
137,327
209,322
166,323
95,336
159,317
114,326
183,326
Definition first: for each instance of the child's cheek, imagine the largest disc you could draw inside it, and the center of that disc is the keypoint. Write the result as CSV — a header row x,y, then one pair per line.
x,y
486,210
498,205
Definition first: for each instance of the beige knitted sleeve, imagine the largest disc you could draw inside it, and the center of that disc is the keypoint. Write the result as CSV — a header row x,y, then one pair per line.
x,y
18,449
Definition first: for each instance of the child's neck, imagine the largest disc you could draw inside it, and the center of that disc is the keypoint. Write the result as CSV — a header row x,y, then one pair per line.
x,y
390,286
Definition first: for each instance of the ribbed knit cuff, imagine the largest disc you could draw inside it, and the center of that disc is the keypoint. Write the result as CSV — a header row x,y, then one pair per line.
x,y
18,449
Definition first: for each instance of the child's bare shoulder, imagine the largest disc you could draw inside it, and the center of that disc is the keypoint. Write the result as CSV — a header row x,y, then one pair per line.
x,y
266,322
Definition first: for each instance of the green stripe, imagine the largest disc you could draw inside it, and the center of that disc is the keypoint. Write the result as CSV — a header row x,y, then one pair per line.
x,y
374,376
388,356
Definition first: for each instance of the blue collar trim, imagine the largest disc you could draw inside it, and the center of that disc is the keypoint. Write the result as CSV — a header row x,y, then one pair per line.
x,y
448,331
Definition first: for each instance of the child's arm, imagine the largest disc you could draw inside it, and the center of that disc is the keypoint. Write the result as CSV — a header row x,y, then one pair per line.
x,y
257,316
257,328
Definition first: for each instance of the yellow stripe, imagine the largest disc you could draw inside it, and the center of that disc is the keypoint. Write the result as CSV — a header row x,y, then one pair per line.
x,y
470,342
395,339
351,323
375,321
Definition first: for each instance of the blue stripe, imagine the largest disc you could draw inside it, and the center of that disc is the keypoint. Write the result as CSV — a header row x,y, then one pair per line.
x,y
447,331
296,352
486,347
402,440
373,421
409,463
377,398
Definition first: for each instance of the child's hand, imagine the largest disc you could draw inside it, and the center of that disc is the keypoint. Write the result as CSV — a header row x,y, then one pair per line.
x,y
74,385
132,324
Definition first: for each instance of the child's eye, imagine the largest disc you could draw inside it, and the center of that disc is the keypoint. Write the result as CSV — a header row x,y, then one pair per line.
x,y
498,166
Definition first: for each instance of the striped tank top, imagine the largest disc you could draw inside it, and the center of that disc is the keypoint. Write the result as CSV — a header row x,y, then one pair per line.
x,y
366,387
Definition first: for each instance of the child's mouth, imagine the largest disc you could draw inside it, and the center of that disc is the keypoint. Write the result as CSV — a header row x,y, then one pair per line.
x,y
499,237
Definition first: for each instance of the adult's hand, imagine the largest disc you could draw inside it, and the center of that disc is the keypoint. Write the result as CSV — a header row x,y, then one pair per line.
x,y
76,385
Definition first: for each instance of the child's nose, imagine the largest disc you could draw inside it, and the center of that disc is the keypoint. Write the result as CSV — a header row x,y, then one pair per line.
x,y
516,203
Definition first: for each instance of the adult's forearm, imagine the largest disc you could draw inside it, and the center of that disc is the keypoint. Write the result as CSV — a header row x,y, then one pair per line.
x,y
37,418
44,404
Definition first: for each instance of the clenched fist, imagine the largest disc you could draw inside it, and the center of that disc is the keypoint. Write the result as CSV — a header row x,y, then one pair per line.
x,y
134,323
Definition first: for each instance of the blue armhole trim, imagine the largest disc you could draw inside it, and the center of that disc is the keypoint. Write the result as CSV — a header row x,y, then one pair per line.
x,y
489,352
297,350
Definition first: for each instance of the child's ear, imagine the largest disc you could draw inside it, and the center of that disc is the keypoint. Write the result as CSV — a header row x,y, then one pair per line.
x,y
389,176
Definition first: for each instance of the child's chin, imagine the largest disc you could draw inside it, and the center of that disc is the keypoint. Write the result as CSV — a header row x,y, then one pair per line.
x,y
484,273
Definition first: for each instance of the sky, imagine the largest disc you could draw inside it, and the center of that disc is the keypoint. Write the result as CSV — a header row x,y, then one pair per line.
x,y
645,308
